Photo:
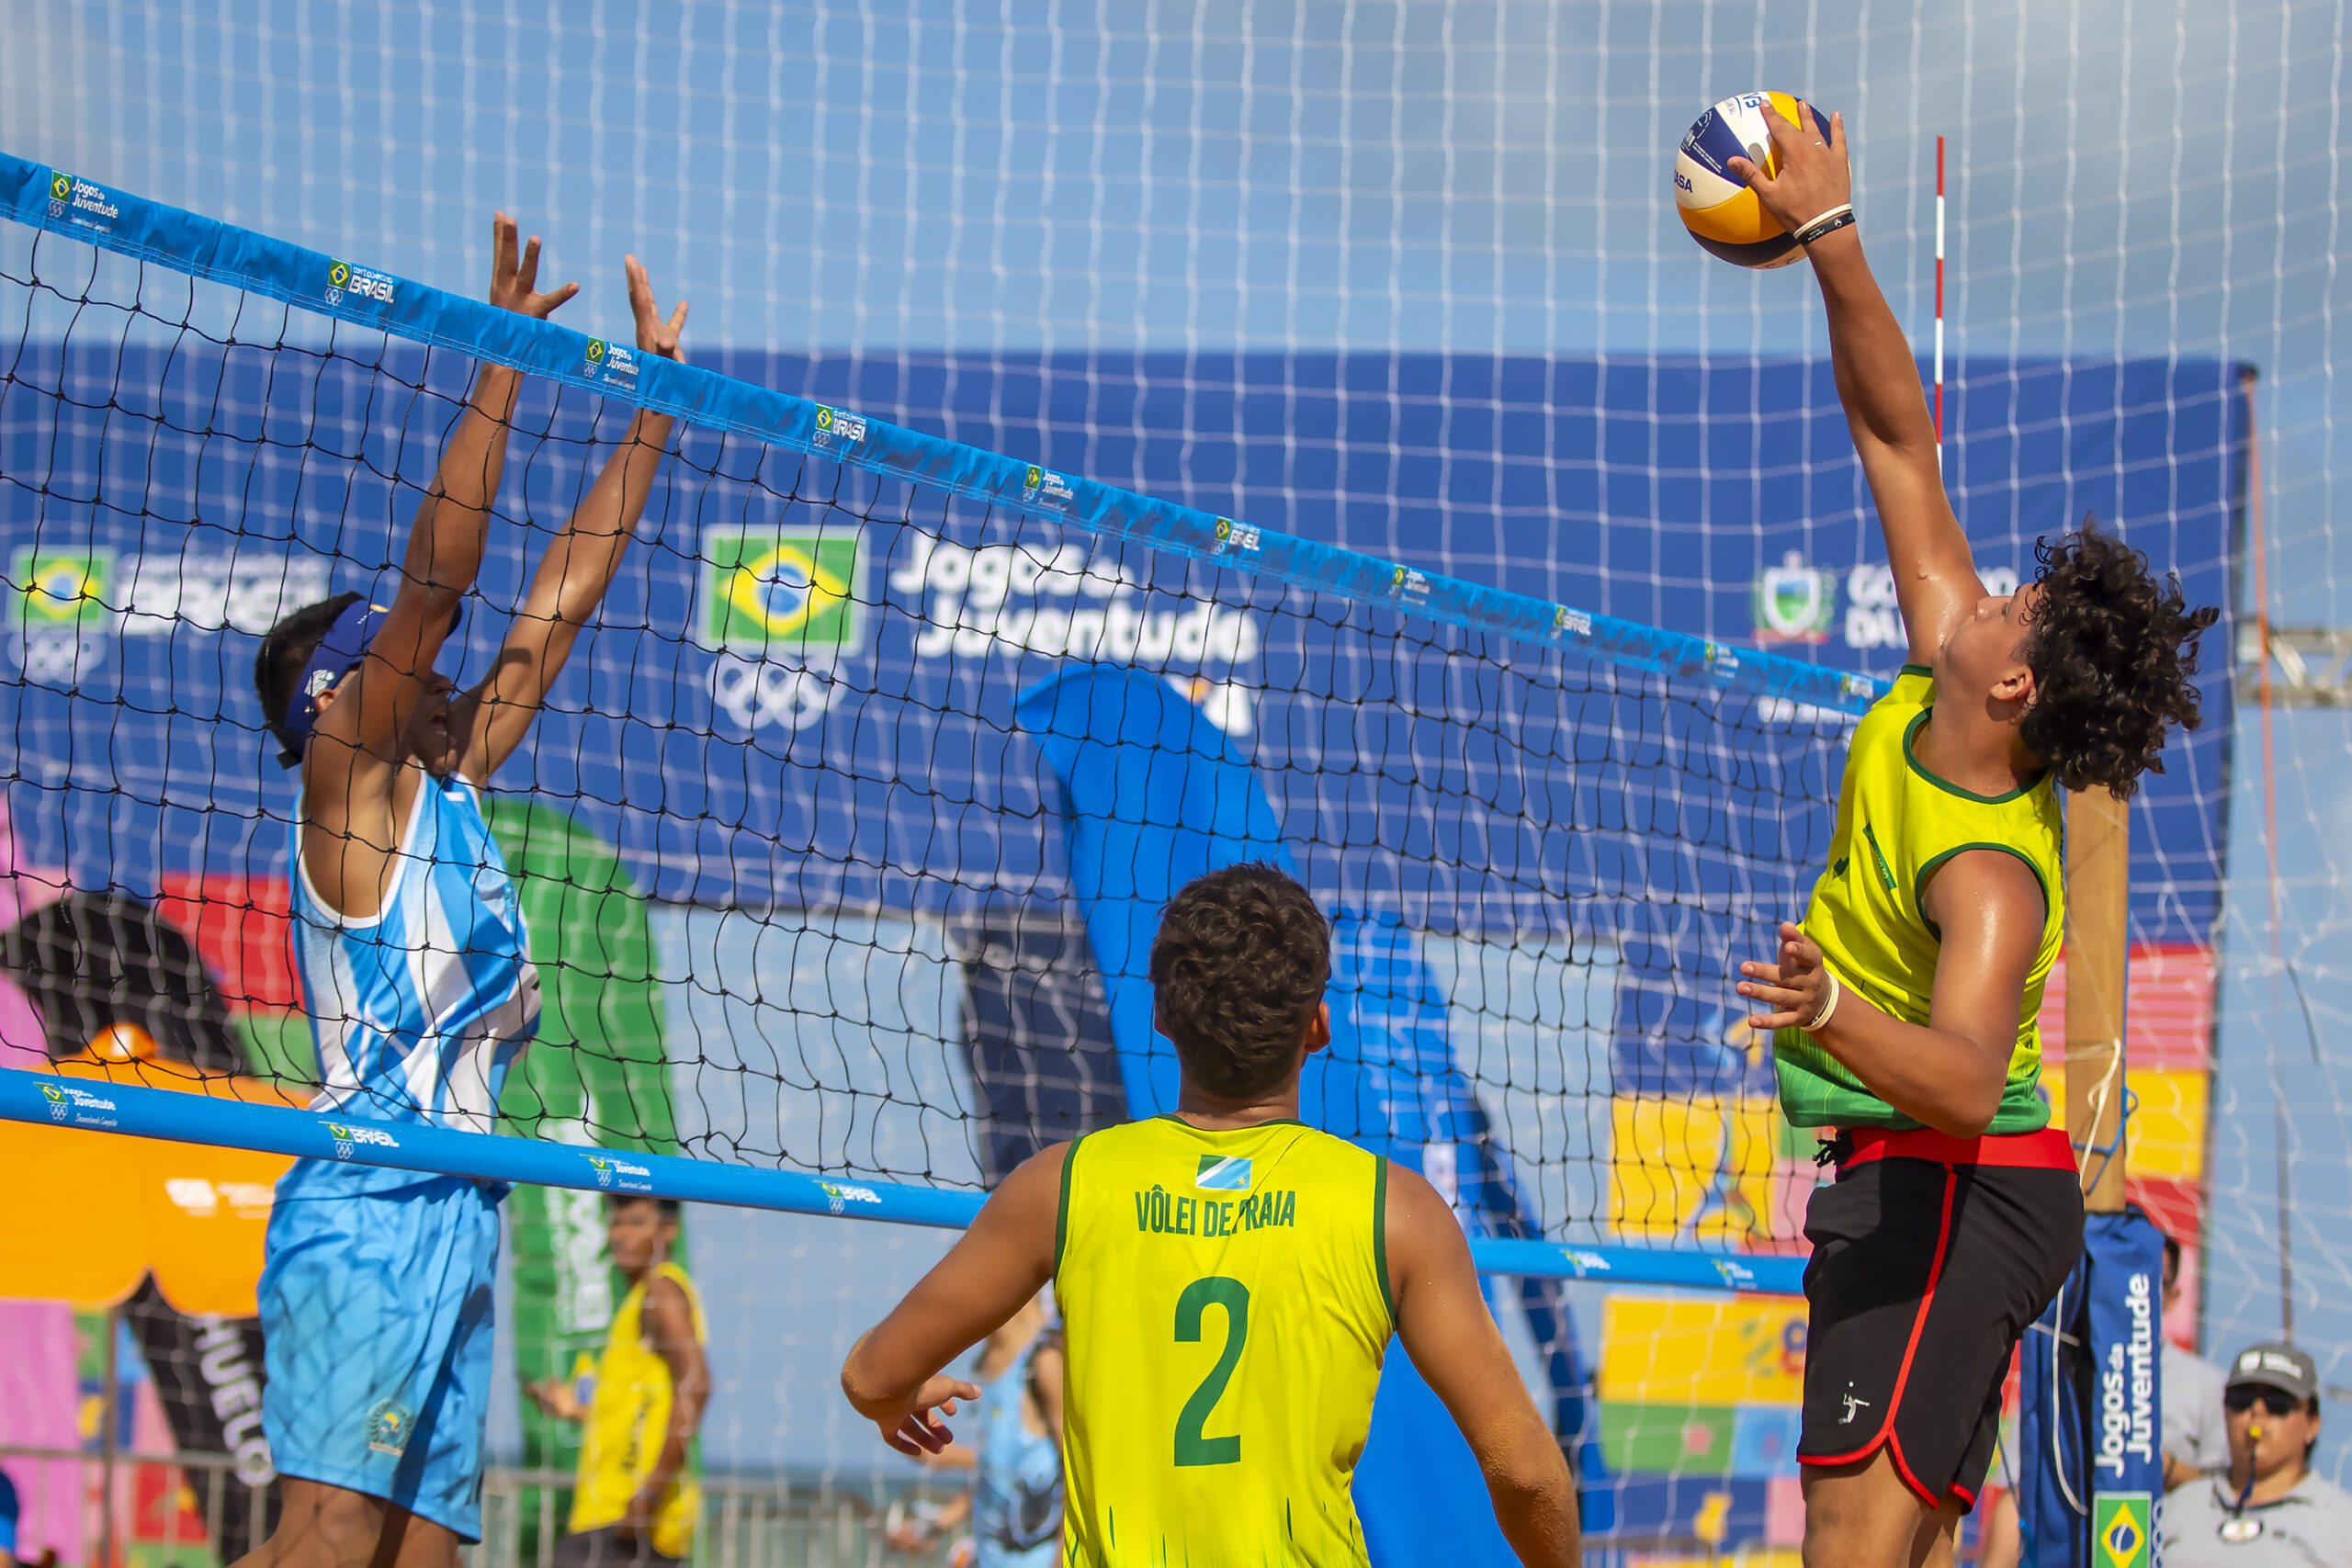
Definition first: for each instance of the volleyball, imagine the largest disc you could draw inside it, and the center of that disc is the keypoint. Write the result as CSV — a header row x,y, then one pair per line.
x,y
1717,207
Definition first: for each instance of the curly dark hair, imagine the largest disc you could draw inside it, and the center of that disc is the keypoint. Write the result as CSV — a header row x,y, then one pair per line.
x,y
1239,966
2112,650
286,647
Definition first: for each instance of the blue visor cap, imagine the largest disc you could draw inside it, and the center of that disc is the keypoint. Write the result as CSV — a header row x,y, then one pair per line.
x,y
338,653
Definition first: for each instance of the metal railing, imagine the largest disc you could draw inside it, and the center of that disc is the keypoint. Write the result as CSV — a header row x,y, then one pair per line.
x,y
218,1499
748,1521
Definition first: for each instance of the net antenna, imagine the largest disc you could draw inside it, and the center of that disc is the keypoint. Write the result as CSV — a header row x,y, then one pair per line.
x,y
2272,883
1939,301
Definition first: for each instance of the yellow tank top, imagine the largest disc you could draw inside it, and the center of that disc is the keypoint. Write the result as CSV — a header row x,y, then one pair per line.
x,y
1225,1305
1896,824
628,1421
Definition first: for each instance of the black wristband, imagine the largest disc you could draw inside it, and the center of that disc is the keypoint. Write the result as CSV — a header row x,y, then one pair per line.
x,y
1826,225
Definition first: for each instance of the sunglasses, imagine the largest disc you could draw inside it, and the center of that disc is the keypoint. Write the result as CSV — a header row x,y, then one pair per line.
x,y
2276,1401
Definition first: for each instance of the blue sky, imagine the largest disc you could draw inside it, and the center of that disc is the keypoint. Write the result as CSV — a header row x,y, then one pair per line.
x,y
2134,175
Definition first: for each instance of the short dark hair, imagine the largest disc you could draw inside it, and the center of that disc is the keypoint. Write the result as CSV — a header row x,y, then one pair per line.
x,y
2114,650
2172,1261
286,647
616,1201
1240,963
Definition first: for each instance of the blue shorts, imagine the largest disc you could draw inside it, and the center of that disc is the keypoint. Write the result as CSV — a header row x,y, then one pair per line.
x,y
376,1312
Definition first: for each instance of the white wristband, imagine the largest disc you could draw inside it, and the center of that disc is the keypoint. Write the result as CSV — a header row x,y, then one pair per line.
x,y
1836,993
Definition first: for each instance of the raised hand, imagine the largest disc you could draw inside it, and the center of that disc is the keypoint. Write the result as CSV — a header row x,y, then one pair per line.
x,y
654,336
514,279
920,1431
1793,988
1814,175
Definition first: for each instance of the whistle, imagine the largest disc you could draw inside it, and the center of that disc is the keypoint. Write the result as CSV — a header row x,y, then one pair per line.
x,y
2253,1433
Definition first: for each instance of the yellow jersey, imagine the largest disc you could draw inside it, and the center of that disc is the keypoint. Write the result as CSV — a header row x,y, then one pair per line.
x,y
629,1422
1896,824
1226,1305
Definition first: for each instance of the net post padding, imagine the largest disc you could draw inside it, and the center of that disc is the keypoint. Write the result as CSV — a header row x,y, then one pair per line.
x,y
2098,851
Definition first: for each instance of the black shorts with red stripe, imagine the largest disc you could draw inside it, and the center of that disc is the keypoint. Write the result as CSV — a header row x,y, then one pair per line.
x,y
1931,1256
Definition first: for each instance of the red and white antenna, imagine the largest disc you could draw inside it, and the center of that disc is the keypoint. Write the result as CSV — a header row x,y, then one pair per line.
x,y
1939,301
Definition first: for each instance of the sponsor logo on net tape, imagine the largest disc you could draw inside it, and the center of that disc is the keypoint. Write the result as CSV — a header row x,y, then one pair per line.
x,y
614,1172
780,607
349,1139
1236,539
70,1102
840,428
609,363
1044,484
839,1195
344,280
76,200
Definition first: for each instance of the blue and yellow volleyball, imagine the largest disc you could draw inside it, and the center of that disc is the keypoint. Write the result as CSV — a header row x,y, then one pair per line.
x,y
1717,207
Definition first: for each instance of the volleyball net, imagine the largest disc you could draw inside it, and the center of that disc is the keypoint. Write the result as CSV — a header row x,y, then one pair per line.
x,y
841,839
842,844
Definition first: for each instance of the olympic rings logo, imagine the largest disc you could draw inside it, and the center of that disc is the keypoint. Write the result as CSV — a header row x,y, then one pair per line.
x,y
57,657
756,694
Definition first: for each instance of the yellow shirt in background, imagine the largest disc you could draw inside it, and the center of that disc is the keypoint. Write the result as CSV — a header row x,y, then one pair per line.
x,y
628,1421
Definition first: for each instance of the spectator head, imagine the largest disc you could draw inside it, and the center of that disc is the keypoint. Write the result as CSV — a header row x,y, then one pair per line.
x,y
641,1232
2272,1401
1237,972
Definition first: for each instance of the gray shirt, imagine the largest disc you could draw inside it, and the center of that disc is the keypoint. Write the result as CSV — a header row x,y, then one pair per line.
x,y
2310,1527
2196,1432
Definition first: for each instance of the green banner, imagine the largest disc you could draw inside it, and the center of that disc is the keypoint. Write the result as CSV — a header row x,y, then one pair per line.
x,y
597,1073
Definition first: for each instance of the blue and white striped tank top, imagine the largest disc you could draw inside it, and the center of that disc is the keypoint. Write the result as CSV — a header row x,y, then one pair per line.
x,y
418,1011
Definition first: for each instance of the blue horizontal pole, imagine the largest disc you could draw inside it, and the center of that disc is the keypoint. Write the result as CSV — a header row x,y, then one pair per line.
x,y
139,1111
1743,1272
184,1118
44,197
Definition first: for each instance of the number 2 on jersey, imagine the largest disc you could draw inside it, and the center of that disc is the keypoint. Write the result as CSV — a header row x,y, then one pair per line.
x,y
1191,1448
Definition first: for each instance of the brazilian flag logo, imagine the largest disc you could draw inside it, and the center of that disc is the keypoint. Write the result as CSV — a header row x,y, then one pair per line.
x,y
2120,1523
782,591
60,590
338,275
61,186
